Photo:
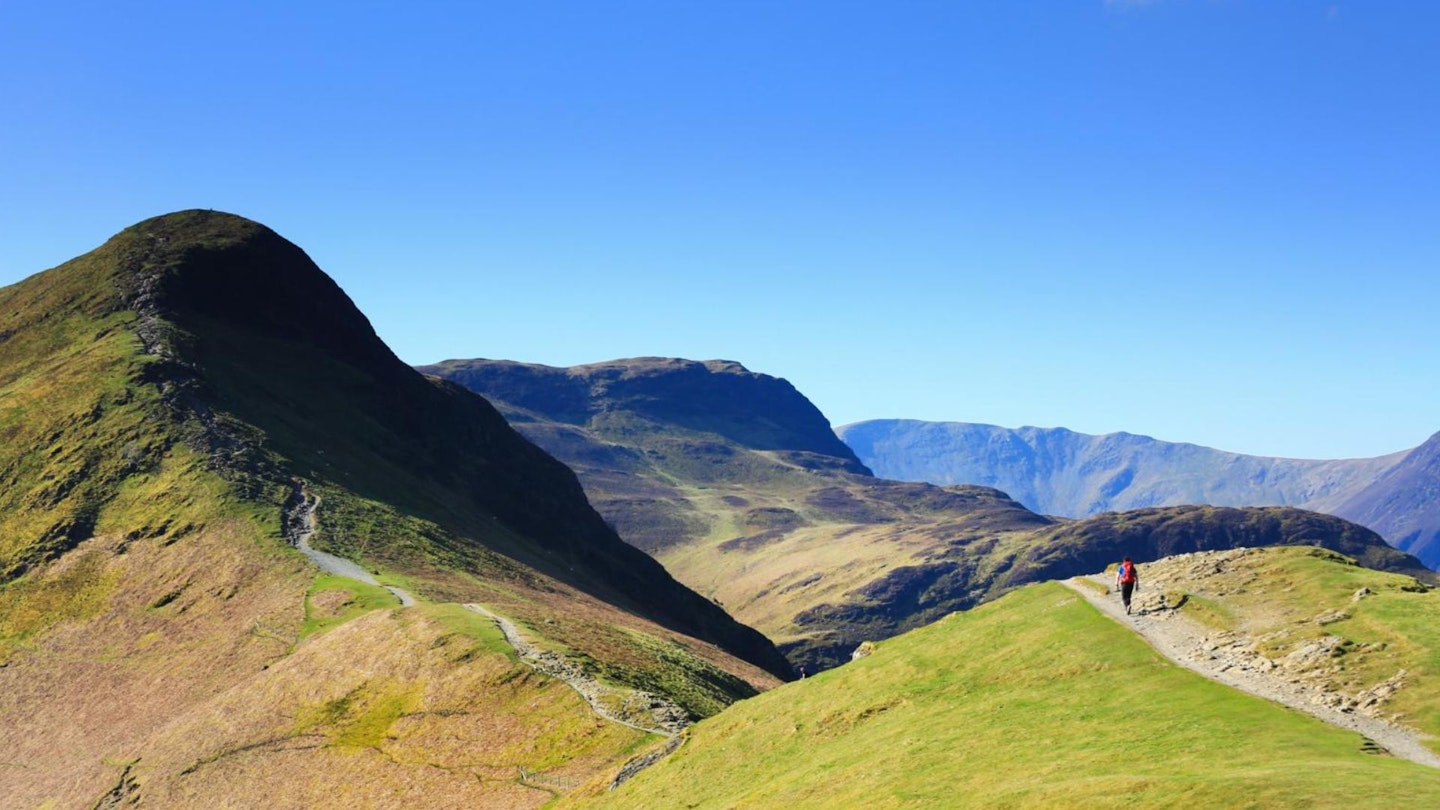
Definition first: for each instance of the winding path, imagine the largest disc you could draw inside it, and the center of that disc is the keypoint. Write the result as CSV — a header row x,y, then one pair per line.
x,y
668,719
1182,640
301,525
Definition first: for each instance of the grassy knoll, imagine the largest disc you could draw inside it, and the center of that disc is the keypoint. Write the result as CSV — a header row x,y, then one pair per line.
x,y
1034,700
334,600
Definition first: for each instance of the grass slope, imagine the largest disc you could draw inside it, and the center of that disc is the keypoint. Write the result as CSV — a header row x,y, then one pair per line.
x,y
1034,700
161,643
793,536
1368,625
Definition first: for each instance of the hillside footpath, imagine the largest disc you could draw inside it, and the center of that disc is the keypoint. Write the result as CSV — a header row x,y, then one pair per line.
x,y
1233,661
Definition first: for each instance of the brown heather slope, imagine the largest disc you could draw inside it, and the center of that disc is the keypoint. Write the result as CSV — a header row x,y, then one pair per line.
x,y
726,477
161,398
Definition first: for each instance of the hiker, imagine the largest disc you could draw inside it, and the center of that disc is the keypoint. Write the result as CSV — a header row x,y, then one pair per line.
x,y
1126,580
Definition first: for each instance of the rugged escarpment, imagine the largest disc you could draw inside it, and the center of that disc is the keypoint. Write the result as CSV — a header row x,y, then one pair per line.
x,y
161,399
716,397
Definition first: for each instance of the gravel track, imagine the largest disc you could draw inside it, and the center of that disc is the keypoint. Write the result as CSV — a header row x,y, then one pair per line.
x,y
668,719
301,524
1187,643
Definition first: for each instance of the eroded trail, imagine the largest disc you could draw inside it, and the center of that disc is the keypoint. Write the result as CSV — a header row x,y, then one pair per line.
x,y
657,715
301,524
1188,644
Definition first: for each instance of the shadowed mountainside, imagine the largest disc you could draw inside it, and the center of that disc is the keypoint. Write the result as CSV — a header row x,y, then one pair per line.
x,y
163,399
1057,471
807,547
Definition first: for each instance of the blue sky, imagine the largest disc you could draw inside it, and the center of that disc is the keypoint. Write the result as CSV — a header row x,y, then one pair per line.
x,y
1214,221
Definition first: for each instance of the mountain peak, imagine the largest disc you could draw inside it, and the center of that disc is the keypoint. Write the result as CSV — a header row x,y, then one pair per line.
x,y
236,273
718,397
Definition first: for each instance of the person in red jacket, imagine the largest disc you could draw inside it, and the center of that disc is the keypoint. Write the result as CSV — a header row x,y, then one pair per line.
x,y
1126,579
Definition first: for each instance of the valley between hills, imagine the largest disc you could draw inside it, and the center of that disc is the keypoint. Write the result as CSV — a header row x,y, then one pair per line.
x,y
736,483
249,558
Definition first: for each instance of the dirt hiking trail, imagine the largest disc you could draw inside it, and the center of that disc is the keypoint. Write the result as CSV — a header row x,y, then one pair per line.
x,y
1234,664
639,710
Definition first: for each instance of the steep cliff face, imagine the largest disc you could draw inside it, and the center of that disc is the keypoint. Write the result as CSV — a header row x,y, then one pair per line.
x,y
162,399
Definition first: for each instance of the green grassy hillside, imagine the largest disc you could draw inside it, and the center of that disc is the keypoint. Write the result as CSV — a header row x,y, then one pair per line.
x,y
798,540
162,399
1319,618
1034,700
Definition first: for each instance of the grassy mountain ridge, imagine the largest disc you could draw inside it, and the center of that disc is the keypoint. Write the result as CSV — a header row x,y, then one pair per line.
x,y
1037,700
818,555
161,399
1149,534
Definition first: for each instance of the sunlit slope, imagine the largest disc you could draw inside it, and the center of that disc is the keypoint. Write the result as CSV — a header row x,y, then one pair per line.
x,y
1034,700
733,480
163,400
1369,639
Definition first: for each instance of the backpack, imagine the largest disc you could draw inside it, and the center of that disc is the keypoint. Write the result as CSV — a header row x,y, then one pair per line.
x,y
1127,572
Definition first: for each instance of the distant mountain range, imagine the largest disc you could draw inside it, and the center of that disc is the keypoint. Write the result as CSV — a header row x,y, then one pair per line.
x,y
1060,472
735,481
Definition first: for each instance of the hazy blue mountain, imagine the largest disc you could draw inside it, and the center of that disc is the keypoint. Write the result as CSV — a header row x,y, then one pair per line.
x,y
1060,472
1403,503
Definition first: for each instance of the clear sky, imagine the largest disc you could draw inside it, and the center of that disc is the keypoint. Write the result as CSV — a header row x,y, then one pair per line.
x,y
1214,221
